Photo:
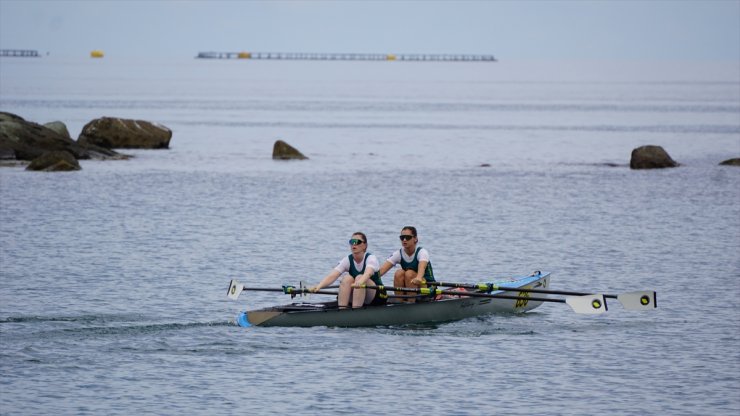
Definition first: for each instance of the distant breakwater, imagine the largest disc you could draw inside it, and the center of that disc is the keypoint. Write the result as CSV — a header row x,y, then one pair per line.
x,y
20,53
319,56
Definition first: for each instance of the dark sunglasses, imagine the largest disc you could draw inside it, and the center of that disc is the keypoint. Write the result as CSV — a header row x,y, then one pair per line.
x,y
355,241
405,237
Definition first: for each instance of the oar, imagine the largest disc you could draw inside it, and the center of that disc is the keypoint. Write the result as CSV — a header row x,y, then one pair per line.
x,y
640,300
586,304
236,288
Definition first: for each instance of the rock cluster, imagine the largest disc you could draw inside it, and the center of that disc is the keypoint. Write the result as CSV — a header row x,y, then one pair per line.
x,y
22,140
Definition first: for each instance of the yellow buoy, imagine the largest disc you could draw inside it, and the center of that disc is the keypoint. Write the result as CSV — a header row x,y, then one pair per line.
x,y
244,55
96,54
390,57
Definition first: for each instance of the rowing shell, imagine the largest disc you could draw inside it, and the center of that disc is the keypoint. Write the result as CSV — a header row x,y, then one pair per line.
x,y
444,310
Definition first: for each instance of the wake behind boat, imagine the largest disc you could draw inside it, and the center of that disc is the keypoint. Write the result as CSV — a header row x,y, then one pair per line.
x,y
440,305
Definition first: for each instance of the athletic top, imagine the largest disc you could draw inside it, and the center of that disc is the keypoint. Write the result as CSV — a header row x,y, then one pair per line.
x,y
412,262
348,265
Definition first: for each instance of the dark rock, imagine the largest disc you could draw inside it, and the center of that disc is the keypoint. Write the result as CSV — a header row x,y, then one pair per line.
x,y
651,157
118,133
59,127
28,140
55,161
7,154
731,162
485,165
284,151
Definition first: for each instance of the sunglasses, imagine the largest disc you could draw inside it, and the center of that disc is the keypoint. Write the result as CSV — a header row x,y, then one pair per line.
x,y
404,237
355,241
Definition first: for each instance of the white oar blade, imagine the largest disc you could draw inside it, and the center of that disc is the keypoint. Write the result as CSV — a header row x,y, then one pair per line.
x,y
587,304
638,301
235,289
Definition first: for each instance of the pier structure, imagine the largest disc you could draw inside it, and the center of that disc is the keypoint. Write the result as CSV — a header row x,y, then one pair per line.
x,y
320,56
20,53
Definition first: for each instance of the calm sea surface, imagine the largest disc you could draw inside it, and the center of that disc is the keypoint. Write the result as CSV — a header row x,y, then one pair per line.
x,y
113,278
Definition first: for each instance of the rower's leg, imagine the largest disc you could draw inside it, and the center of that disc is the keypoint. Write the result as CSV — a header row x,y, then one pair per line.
x,y
360,299
345,291
399,281
408,276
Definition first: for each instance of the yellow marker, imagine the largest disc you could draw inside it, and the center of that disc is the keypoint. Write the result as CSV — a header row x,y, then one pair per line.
x,y
96,54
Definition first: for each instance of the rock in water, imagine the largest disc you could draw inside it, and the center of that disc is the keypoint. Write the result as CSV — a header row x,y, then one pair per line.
x,y
118,133
284,151
731,162
651,157
25,140
58,127
55,161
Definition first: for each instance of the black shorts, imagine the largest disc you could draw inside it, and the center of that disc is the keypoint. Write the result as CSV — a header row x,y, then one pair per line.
x,y
381,298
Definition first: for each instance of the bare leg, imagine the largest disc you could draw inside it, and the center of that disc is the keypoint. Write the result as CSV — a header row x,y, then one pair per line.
x,y
360,299
399,281
345,291
408,276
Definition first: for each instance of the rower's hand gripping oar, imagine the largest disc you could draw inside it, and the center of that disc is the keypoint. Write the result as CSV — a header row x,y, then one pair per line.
x,y
636,301
585,304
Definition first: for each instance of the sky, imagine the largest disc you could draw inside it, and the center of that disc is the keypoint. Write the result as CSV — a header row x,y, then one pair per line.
x,y
667,30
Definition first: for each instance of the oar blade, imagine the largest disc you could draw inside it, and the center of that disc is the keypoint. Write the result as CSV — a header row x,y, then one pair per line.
x,y
587,304
235,289
638,301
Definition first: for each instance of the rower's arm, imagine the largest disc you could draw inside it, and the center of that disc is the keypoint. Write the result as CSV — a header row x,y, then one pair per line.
x,y
385,267
421,270
326,281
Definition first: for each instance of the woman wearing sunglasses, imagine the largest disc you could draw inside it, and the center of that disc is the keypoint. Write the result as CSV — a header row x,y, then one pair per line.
x,y
415,269
363,270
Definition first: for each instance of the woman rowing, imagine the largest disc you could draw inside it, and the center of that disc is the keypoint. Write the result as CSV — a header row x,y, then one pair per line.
x,y
416,270
362,269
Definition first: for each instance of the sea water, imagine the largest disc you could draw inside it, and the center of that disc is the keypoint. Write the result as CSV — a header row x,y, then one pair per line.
x,y
113,278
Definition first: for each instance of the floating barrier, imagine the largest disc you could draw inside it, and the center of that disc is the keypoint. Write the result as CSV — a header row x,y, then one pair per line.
x,y
345,56
19,53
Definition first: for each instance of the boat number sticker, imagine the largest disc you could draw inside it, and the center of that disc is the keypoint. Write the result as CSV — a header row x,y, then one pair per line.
x,y
520,303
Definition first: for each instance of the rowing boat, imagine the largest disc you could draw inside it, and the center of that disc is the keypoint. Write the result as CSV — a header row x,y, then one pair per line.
x,y
448,308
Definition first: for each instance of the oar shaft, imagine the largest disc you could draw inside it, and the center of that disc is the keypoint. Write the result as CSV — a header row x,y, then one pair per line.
x,y
290,291
306,291
489,287
433,292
